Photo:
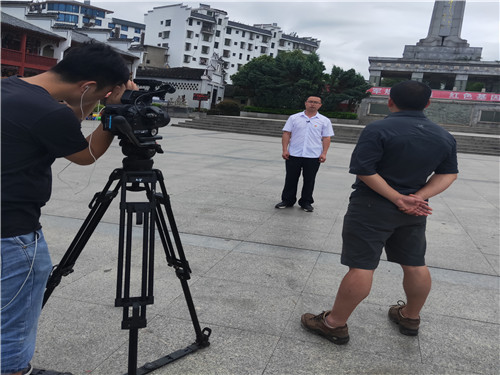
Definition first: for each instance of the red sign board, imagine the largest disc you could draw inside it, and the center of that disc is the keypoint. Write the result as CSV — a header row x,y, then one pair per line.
x,y
200,97
443,94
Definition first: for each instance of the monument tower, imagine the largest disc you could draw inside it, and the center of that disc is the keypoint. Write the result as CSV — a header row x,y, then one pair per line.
x,y
443,59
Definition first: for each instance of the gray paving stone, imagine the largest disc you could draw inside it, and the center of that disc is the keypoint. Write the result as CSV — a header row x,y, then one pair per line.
x,y
256,269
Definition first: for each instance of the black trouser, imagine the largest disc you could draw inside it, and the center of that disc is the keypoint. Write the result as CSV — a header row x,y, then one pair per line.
x,y
294,166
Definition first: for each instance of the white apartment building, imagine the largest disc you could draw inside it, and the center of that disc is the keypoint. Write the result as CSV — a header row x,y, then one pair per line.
x,y
83,15
194,35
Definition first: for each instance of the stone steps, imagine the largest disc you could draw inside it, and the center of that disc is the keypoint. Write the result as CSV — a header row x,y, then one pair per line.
x,y
485,143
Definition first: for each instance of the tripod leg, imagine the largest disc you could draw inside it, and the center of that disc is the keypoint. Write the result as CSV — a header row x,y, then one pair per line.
x,y
98,205
179,263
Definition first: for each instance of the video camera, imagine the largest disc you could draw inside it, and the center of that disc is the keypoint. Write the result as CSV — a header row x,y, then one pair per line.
x,y
135,121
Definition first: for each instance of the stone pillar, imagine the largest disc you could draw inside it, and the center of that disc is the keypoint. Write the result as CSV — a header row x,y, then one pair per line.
x,y
461,82
375,77
417,76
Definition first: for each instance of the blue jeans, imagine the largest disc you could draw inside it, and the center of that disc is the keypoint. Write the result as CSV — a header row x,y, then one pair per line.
x,y
26,266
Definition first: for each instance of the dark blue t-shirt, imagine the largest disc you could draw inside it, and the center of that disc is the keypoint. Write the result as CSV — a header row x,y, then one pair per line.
x,y
405,148
36,129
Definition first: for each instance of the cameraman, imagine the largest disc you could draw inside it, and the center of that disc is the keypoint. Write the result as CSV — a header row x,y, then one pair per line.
x,y
37,128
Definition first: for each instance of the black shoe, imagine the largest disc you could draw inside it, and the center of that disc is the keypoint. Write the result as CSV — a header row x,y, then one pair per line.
x,y
28,370
283,205
49,372
307,208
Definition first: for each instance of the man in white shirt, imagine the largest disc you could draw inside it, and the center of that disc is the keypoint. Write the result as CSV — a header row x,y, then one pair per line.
x,y
306,139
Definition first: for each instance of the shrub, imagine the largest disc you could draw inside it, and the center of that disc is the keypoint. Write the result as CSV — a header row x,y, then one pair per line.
x,y
227,108
288,112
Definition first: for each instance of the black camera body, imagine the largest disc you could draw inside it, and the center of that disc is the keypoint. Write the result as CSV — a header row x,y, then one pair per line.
x,y
135,121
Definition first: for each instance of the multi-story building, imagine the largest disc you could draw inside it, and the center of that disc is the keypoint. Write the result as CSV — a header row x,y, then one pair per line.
x,y
194,35
72,13
124,29
83,15
35,35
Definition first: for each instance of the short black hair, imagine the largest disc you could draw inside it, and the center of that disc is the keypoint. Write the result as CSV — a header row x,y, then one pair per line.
x,y
316,96
410,95
93,61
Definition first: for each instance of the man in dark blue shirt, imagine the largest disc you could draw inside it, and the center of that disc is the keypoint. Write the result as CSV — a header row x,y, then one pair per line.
x,y
388,208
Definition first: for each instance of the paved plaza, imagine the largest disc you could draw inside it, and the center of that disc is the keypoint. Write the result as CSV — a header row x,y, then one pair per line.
x,y
256,270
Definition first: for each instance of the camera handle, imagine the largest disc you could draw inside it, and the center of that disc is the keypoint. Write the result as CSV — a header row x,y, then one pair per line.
x,y
146,214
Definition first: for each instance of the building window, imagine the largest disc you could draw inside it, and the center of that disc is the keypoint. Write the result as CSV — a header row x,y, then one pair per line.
x,y
124,28
217,33
190,22
187,58
248,57
237,31
216,45
272,45
228,30
226,53
227,42
205,50
263,49
219,21
63,7
203,61
241,55
206,37
62,17
242,34
168,22
187,47
98,22
242,45
137,30
111,25
189,34
165,34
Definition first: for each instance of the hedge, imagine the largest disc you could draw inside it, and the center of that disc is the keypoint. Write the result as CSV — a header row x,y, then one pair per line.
x,y
288,112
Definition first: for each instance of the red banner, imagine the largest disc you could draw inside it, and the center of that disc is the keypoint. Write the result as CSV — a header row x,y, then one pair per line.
x,y
443,94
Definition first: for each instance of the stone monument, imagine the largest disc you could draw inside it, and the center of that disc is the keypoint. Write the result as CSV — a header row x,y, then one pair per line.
x,y
443,59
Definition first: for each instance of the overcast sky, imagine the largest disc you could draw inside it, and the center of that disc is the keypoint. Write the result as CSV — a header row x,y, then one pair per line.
x,y
349,31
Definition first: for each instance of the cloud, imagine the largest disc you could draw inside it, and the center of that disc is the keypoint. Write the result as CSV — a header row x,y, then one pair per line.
x,y
349,31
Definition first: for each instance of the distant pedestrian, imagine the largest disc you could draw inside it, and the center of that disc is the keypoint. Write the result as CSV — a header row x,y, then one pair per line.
x,y
392,160
306,139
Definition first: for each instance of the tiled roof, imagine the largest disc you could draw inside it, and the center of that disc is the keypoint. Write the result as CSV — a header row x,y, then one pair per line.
x,y
249,28
7,19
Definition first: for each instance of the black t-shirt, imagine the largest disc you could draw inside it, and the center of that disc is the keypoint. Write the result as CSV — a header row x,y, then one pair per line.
x,y
36,129
405,148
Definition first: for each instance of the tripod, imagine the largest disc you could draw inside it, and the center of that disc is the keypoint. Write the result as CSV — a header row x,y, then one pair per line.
x,y
136,175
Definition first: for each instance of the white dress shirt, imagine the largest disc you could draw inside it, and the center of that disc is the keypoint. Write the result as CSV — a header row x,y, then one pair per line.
x,y
307,134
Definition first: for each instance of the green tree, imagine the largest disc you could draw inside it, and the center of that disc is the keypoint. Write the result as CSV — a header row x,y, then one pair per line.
x,y
281,82
344,86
